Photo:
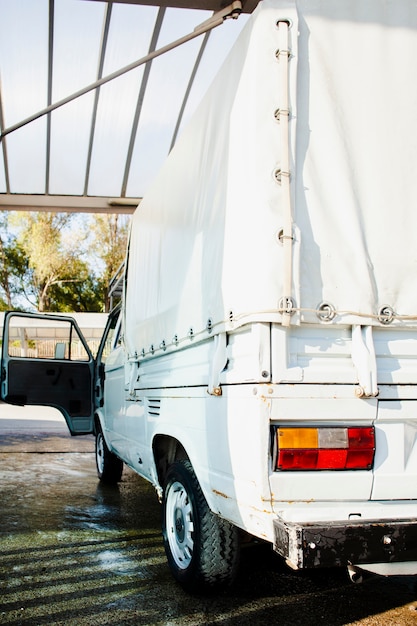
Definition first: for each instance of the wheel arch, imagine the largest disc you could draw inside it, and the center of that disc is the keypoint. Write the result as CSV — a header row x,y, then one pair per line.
x,y
97,424
166,450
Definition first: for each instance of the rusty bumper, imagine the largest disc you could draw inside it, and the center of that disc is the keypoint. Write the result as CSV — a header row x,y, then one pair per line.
x,y
331,544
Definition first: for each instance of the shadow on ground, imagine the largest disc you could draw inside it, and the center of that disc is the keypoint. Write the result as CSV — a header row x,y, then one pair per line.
x,y
75,552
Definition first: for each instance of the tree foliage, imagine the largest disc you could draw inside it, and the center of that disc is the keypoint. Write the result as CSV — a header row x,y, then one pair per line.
x,y
109,239
13,265
41,237
59,261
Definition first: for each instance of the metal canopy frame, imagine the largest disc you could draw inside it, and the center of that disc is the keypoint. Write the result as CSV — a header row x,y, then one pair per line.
x,y
123,204
206,5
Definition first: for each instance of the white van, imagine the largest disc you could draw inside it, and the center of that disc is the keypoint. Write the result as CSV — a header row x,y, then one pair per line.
x,y
262,369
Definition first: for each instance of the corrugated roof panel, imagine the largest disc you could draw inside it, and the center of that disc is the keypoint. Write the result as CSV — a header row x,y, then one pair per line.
x,y
69,146
23,57
26,149
23,68
77,35
220,42
109,142
167,84
130,34
114,121
3,186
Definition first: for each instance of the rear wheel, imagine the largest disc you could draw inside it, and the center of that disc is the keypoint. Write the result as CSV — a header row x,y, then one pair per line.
x,y
109,466
202,548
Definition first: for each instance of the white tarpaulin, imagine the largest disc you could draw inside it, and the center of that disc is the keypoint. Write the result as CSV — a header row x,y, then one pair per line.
x,y
356,155
205,243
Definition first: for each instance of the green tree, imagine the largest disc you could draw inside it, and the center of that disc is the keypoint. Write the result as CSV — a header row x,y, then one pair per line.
x,y
60,261
109,234
85,294
13,266
52,253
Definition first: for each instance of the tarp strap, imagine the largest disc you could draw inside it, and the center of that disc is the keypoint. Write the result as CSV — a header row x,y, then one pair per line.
x,y
283,54
364,360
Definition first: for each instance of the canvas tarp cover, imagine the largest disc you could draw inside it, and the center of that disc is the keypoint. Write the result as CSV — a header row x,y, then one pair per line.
x,y
205,246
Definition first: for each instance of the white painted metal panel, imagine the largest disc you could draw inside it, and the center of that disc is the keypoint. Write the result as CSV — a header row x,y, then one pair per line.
x,y
395,472
314,353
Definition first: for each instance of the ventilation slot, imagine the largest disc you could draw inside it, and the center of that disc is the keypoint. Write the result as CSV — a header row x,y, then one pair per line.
x,y
154,407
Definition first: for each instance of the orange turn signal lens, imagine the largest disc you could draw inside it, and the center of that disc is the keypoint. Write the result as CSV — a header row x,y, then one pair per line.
x,y
293,438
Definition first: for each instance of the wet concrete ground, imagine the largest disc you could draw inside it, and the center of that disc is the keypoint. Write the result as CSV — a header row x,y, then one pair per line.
x,y
77,553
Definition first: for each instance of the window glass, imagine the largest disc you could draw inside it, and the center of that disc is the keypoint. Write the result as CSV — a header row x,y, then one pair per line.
x,y
113,338
37,338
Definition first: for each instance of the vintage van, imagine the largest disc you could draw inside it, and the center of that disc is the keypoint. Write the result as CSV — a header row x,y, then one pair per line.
x,y
261,370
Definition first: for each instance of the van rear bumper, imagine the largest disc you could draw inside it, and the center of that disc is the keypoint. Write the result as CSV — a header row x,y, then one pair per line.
x,y
331,544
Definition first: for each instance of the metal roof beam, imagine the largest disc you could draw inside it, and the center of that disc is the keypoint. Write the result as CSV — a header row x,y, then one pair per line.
x,y
103,47
67,204
189,87
4,146
207,5
49,88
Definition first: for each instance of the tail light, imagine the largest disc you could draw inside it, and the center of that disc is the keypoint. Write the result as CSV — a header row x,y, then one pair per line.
x,y
325,448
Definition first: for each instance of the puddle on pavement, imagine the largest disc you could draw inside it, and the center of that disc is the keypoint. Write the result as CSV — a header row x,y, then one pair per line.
x,y
69,543
76,552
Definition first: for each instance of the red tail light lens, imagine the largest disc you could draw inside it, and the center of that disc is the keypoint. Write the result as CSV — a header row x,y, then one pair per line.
x,y
325,448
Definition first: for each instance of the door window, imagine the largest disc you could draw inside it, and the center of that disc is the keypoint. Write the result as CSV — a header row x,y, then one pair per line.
x,y
37,338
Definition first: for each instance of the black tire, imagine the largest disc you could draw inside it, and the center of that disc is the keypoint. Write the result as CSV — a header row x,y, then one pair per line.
x,y
202,548
109,466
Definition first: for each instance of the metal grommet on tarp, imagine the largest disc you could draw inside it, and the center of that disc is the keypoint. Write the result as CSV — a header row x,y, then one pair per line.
x,y
325,312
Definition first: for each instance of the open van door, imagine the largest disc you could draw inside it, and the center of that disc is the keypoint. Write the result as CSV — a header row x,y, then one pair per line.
x,y
46,361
